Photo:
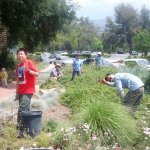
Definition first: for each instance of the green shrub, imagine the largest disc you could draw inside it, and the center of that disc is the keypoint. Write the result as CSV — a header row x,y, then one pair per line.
x,y
86,87
82,56
108,119
7,60
35,59
37,53
50,83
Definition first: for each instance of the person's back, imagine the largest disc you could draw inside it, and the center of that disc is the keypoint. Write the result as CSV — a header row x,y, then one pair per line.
x,y
128,81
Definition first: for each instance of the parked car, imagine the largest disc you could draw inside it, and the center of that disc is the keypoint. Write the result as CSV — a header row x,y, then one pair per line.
x,y
63,61
94,53
120,52
133,62
86,52
134,53
63,52
43,57
75,52
55,54
90,60
47,54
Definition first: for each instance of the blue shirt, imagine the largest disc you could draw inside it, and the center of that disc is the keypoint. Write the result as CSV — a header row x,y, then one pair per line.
x,y
77,64
99,60
55,71
126,80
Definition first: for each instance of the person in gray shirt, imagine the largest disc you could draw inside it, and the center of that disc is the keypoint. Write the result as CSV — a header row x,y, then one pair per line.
x,y
126,80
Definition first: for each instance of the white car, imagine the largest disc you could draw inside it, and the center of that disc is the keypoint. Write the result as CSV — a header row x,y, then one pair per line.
x,y
94,53
63,52
86,52
63,61
47,54
140,62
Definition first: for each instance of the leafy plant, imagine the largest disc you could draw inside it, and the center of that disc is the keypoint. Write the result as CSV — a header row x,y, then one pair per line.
x,y
50,125
50,83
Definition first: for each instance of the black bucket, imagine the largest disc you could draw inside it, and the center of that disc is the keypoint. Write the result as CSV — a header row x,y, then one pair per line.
x,y
31,121
39,149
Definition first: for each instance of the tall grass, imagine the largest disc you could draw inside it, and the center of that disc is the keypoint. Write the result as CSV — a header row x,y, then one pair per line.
x,y
104,117
138,71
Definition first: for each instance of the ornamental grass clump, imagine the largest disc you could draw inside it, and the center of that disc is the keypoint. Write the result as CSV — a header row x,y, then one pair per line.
x,y
110,122
138,71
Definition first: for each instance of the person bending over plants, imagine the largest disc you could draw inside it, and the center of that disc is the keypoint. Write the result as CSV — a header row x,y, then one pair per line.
x,y
126,80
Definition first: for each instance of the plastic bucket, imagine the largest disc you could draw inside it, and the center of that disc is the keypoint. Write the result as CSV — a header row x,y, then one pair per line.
x,y
39,149
31,121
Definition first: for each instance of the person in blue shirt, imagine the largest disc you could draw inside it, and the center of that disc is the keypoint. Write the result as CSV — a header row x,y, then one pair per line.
x,y
99,60
126,80
56,73
77,66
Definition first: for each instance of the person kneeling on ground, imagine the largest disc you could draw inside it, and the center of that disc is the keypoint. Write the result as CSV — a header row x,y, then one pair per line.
x,y
126,80
3,76
56,73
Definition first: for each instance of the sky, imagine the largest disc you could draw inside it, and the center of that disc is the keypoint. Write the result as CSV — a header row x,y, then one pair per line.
x,y
99,9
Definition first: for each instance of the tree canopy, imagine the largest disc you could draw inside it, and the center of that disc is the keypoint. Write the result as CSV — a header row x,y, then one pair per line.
x,y
142,41
35,21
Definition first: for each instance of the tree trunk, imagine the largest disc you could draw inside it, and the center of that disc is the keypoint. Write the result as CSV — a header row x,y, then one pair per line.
x,y
3,39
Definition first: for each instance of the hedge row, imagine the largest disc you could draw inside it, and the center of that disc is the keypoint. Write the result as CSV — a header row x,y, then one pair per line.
x,y
37,53
74,55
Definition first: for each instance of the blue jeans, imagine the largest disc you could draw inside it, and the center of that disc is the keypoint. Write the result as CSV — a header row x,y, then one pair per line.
x,y
74,73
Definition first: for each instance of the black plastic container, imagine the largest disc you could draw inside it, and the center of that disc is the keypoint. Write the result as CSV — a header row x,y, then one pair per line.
x,y
32,122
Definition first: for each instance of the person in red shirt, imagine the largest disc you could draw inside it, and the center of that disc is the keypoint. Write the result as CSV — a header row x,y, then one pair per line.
x,y
26,79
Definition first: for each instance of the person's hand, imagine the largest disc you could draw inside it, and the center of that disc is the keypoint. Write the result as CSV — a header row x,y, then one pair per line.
x,y
102,81
26,67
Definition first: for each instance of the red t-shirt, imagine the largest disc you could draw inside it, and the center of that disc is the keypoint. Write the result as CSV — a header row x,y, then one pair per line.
x,y
26,80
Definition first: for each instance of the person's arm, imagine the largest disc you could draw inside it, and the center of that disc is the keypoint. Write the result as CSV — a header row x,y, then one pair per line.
x,y
6,75
103,62
61,74
17,87
119,88
73,66
55,75
102,81
31,71
94,62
